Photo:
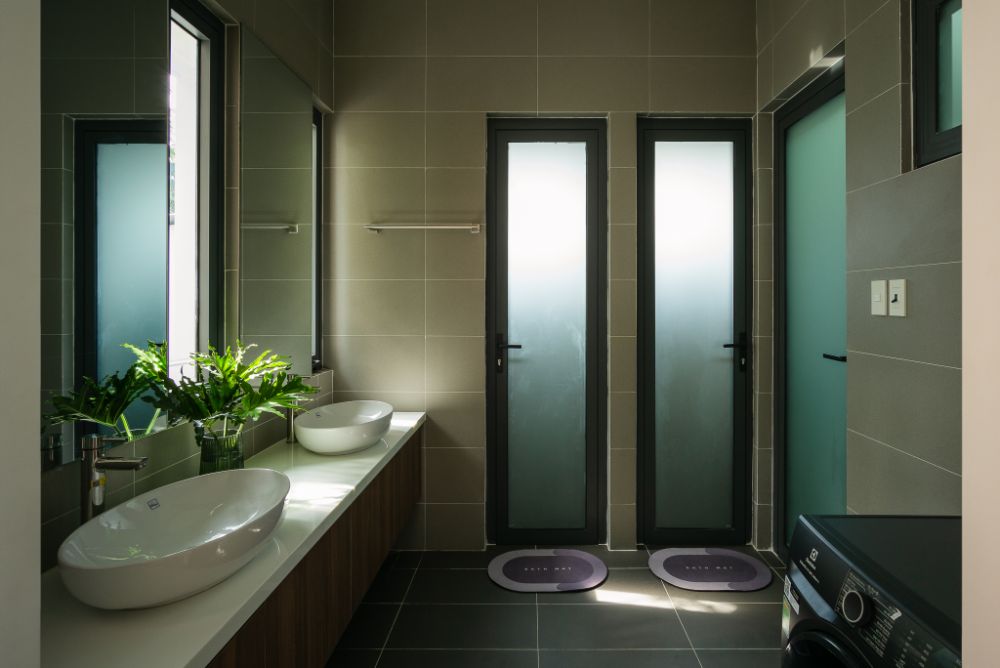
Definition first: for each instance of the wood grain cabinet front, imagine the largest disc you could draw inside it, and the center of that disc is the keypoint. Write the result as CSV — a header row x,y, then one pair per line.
x,y
301,621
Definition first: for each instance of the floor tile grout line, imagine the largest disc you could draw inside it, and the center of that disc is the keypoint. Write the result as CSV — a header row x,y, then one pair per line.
x,y
679,620
399,610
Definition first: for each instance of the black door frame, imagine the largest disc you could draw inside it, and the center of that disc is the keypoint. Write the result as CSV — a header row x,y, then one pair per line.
x,y
826,87
739,131
87,136
502,131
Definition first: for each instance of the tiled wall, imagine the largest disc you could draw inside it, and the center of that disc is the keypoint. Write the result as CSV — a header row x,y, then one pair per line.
x,y
173,455
300,32
903,380
414,82
276,187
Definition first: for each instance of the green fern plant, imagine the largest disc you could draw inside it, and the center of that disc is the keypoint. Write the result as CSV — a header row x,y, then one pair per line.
x,y
104,403
223,391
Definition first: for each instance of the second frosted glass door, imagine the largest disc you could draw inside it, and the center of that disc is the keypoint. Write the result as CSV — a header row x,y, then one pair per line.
x,y
546,330
693,336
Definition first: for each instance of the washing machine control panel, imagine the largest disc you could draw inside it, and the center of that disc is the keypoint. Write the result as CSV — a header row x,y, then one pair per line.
x,y
887,631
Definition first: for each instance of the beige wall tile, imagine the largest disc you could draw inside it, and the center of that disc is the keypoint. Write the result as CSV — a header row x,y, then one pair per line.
x,y
481,27
782,11
622,196
372,363
874,151
379,27
456,139
873,50
763,349
763,308
622,417
275,307
809,35
621,139
276,254
857,11
455,254
376,196
764,197
378,84
763,252
454,526
593,27
763,421
351,251
622,308
456,195
702,84
592,84
456,308
456,364
702,28
456,419
763,140
288,35
882,480
623,475
378,140
765,27
363,307
914,407
765,81
401,401
622,354
481,84
622,251
455,475
621,532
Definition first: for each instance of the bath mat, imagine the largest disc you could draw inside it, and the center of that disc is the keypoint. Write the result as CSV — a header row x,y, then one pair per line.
x,y
549,570
709,569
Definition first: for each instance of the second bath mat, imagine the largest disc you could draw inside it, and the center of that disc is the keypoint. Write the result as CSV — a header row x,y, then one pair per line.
x,y
709,569
548,570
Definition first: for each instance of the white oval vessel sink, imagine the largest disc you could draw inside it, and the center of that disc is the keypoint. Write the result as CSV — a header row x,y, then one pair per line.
x,y
174,541
348,426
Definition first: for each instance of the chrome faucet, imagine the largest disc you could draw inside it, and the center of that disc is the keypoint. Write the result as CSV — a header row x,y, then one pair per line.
x,y
93,464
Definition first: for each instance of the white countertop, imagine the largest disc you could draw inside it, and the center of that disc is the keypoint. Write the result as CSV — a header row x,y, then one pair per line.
x,y
192,631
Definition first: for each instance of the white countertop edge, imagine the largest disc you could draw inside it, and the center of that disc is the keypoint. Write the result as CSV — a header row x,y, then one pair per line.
x,y
192,631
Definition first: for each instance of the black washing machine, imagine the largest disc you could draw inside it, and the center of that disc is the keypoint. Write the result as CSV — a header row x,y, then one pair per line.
x,y
873,591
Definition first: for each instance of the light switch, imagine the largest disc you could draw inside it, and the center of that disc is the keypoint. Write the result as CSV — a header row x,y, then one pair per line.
x,y
880,297
897,297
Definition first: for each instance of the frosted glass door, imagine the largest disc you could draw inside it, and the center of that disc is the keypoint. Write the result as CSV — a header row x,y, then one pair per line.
x,y
816,328
547,317
693,303
131,248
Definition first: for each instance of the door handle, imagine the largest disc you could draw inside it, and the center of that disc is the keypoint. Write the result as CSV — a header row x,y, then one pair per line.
x,y
501,347
835,358
741,346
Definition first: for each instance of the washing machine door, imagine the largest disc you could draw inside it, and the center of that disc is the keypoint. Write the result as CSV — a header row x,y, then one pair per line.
x,y
819,649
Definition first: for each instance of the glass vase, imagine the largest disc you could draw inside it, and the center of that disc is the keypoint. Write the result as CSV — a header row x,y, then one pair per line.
x,y
220,452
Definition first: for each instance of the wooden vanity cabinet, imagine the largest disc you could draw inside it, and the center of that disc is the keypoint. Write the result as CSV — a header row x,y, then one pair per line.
x,y
301,621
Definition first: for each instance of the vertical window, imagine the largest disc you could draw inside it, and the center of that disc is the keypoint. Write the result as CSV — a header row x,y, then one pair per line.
x,y
195,197
937,75
317,228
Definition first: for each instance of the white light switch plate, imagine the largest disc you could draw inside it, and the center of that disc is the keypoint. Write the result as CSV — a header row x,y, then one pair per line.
x,y
897,297
880,297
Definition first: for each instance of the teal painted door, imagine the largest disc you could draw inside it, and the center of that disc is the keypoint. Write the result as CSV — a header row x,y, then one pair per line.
x,y
816,320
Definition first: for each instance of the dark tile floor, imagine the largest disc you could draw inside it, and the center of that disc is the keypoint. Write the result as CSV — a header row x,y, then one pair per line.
x,y
440,609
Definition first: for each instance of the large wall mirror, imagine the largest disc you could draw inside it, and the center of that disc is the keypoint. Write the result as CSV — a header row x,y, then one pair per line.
x,y
134,194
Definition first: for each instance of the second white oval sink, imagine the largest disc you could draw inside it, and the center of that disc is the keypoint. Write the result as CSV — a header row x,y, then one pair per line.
x,y
174,541
348,426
